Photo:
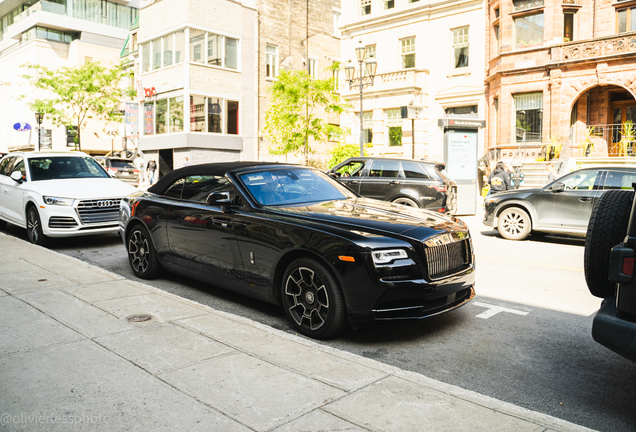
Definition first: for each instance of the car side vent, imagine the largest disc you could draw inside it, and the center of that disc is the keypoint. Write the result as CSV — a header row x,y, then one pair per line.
x,y
448,259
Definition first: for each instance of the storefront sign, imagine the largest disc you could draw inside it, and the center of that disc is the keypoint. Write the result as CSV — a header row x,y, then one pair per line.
x,y
132,119
150,92
22,127
139,88
461,123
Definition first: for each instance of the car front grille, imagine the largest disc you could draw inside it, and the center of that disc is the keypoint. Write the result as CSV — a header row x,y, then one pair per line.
x,y
448,259
62,222
99,211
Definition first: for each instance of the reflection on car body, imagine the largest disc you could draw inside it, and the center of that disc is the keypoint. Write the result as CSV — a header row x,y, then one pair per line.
x,y
563,206
290,235
409,182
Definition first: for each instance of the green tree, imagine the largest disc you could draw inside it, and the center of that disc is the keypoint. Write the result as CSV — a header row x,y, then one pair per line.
x,y
78,94
342,152
294,114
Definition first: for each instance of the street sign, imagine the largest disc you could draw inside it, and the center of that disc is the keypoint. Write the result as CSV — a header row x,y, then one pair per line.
x,y
22,127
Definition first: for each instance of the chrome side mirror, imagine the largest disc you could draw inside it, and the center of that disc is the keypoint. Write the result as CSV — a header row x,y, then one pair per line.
x,y
220,199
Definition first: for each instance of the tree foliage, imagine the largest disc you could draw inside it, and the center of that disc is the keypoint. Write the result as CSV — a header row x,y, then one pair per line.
x,y
342,152
78,94
293,117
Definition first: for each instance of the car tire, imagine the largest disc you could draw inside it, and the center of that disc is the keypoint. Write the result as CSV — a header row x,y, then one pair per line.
x,y
313,300
141,253
406,201
34,227
514,223
606,229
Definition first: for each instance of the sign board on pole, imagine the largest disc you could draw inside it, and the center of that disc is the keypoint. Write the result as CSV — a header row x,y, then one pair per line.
x,y
412,112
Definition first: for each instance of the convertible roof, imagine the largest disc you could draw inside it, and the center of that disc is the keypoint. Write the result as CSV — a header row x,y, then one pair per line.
x,y
214,169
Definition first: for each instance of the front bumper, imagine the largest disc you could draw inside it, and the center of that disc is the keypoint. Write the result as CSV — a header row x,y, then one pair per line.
x,y
71,221
614,333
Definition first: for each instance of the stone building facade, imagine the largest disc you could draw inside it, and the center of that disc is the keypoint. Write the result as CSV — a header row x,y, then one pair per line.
x,y
293,35
563,73
430,56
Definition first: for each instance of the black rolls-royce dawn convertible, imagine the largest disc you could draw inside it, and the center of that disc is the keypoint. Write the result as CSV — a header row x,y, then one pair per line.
x,y
293,236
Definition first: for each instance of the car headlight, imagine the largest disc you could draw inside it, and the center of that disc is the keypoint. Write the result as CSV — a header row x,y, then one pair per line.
x,y
57,201
388,255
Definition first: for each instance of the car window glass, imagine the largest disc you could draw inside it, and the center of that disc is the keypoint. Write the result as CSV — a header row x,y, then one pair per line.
x,y
384,169
174,191
197,188
121,164
64,167
19,166
619,180
5,165
580,180
291,186
352,169
415,170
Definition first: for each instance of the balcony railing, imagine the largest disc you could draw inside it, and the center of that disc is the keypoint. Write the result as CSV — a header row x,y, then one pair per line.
x,y
41,6
620,139
587,49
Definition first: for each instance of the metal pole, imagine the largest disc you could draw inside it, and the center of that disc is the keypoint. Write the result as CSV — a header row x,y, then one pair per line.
x,y
413,138
361,116
37,147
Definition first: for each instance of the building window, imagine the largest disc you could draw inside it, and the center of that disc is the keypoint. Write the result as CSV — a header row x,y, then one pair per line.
x,y
231,53
208,114
568,26
156,54
626,20
369,52
313,68
528,116
460,47
175,114
197,39
365,7
496,31
232,118
496,13
529,31
71,135
367,127
408,53
520,5
271,61
336,24
149,118
168,48
394,122
465,110
161,108
179,46
389,4
214,49
413,1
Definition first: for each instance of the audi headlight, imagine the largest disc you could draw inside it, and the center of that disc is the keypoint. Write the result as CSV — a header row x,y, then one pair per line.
x,y
387,256
57,201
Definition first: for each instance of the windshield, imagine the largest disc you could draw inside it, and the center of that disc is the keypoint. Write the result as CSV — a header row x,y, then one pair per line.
x,y
64,167
290,186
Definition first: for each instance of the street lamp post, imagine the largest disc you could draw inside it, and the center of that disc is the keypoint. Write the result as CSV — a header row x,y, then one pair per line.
x,y
363,81
39,116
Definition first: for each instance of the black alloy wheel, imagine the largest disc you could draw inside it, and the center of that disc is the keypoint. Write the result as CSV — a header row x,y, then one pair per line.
x,y
606,229
34,227
406,202
141,254
313,300
514,224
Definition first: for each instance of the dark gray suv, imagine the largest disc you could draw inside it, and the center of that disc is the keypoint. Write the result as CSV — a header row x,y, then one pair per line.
x,y
403,181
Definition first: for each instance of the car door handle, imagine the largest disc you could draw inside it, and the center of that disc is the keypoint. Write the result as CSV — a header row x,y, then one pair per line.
x,y
394,182
585,199
353,182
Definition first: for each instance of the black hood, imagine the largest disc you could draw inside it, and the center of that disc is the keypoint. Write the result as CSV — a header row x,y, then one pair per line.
x,y
373,216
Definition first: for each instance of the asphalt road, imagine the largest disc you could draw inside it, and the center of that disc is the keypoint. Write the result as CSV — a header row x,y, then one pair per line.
x,y
525,339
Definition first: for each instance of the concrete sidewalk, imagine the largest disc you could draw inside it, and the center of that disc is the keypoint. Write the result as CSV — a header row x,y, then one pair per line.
x,y
71,358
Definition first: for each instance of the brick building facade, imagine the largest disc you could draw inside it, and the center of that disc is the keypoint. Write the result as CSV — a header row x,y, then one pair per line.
x,y
561,73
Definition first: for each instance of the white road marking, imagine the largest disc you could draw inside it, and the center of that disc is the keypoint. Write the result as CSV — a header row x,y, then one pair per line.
x,y
494,310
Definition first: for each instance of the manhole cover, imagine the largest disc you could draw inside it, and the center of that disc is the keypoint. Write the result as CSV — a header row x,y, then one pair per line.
x,y
139,318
